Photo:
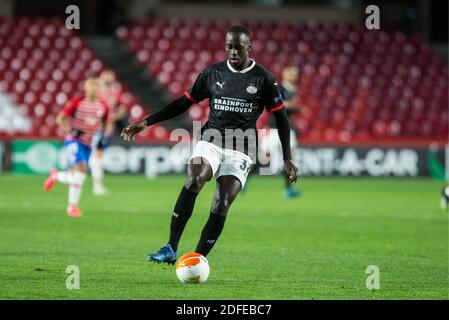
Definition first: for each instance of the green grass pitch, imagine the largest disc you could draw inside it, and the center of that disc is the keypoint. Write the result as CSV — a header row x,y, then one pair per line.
x,y
316,247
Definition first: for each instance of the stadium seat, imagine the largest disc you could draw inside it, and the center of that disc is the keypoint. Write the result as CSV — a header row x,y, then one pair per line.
x,y
42,65
353,84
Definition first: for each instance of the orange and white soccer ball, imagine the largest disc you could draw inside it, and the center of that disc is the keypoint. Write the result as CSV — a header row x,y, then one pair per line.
x,y
192,268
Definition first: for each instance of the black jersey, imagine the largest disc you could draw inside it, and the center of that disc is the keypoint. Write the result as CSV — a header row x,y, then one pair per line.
x,y
236,100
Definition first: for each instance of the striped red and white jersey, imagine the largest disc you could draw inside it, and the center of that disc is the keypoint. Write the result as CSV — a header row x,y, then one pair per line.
x,y
86,116
112,96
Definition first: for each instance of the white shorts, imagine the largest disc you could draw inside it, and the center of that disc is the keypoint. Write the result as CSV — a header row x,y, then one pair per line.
x,y
224,162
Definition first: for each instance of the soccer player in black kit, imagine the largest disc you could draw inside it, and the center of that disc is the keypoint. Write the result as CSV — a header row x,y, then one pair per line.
x,y
238,90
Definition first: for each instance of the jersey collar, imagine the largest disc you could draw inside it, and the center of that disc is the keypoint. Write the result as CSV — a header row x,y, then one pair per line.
x,y
253,63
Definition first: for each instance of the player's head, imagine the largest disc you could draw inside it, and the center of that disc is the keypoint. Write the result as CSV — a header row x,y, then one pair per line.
x,y
290,74
107,77
91,87
238,45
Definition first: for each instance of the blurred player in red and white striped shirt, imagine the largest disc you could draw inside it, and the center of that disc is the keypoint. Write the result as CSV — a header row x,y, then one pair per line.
x,y
111,92
80,119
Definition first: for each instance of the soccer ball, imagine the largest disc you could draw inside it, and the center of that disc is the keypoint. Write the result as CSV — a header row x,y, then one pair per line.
x,y
192,268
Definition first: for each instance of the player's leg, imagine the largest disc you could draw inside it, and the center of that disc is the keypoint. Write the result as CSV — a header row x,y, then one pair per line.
x,y
227,189
77,157
197,176
78,171
96,170
77,177
263,153
96,167
201,168
232,177
72,151
290,192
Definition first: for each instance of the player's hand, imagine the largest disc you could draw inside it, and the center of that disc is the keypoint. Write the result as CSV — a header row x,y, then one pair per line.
x,y
292,171
129,133
76,133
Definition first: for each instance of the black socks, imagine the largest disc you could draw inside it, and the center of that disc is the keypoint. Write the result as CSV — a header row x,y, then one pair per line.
x,y
210,233
181,214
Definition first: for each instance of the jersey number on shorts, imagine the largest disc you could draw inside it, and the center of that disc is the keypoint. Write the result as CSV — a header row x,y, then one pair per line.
x,y
245,167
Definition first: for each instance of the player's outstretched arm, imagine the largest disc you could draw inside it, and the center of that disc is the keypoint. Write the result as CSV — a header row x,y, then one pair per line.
x,y
284,135
172,110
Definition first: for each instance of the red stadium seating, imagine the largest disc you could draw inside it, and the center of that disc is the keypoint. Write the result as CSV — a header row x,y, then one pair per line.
x,y
42,65
355,84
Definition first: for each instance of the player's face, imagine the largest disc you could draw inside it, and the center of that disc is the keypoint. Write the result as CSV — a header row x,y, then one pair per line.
x,y
91,87
291,75
107,77
237,49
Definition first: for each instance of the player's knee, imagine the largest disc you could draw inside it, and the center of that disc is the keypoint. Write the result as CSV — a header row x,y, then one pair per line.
x,y
221,206
195,183
80,167
98,153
